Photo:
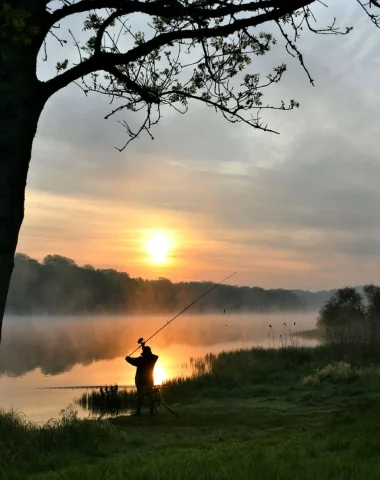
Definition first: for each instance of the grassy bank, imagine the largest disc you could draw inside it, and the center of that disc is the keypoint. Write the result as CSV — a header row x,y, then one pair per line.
x,y
264,372
266,414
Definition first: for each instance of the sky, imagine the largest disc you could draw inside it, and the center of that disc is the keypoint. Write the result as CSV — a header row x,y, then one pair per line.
x,y
295,210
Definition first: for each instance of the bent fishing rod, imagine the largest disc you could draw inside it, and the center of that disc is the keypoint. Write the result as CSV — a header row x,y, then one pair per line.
x,y
142,342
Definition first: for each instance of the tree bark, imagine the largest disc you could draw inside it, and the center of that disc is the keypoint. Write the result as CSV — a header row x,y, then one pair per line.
x,y
22,100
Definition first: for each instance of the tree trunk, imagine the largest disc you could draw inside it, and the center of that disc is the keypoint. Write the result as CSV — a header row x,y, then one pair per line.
x,y
22,100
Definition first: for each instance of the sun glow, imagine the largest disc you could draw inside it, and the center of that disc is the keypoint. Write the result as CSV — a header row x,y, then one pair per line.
x,y
160,375
158,246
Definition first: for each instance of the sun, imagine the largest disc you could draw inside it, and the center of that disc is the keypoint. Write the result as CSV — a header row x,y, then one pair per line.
x,y
158,246
160,375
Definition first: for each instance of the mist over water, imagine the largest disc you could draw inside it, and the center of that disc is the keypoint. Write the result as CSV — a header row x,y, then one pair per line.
x,y
55,345
64,351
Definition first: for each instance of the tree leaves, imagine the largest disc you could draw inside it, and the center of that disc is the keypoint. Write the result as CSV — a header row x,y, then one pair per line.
x,y
189,49
61,65
15,23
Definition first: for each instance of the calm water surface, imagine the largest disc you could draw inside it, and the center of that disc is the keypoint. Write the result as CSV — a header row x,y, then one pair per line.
x,y
68,351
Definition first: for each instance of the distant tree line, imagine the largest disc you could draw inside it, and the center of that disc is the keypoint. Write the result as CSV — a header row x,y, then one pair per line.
x,y
59,286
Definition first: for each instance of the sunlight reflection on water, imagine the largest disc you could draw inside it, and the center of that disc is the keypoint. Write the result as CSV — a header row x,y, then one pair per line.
x,y
41,352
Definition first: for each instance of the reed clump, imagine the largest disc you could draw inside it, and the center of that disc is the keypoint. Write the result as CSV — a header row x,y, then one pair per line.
x,y
108,399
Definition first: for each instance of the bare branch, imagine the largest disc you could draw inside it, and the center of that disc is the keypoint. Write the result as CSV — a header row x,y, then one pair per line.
x,y
330,30
45,57
232,116
375,19
77,45
146,126
61,42
104,26
292,45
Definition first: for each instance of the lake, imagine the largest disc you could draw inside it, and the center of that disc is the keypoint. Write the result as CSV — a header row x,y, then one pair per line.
x,y
41,352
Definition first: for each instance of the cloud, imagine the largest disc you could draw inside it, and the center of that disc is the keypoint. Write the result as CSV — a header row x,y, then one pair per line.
x,y
307,199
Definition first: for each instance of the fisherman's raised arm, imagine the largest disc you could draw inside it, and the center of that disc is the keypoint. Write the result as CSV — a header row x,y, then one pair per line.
x,y
133,361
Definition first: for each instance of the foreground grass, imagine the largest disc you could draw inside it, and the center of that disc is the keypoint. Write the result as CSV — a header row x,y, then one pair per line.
x,y
311,422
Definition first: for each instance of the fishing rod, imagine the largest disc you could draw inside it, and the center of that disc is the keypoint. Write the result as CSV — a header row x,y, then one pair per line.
x,y
82,387
142,342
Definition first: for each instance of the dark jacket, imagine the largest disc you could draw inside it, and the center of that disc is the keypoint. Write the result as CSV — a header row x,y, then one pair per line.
x,y
145,366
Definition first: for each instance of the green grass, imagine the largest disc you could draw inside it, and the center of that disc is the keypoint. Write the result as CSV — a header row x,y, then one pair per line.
x,y
256,372
251,414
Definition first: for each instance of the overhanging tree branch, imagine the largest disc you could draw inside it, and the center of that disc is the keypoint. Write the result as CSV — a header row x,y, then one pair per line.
x,y
168,9
103,61
232,114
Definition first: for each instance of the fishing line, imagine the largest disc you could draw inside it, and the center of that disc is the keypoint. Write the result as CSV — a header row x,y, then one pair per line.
x,y
142,342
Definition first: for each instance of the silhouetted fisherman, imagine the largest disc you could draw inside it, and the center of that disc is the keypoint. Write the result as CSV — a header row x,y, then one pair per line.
x,y
144,379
